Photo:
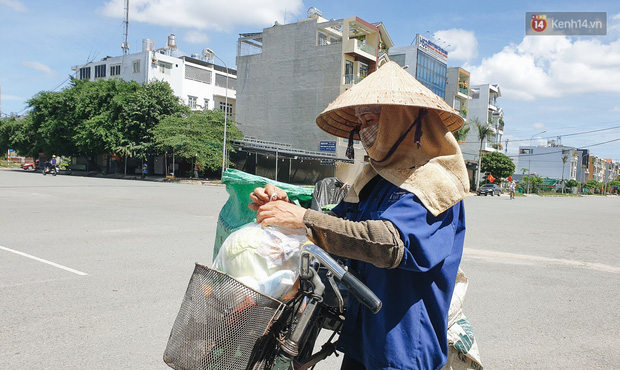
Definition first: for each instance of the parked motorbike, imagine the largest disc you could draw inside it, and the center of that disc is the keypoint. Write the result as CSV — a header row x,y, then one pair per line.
x,y
49,168
223,324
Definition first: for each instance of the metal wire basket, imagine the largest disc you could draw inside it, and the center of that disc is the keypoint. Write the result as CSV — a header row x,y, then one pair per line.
x,y
219,323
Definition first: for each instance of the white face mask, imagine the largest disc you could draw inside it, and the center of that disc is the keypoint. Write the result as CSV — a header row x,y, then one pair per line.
x,y
368,136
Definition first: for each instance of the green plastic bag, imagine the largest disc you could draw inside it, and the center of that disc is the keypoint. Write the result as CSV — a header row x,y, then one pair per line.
x,y
235,213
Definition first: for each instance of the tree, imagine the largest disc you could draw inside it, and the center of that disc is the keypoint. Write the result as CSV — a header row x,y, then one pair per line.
x,y
461,134
94,117
498,164
564,159
485,130
533,182
592,185
572,184
15,134
615,185
143,110
196,135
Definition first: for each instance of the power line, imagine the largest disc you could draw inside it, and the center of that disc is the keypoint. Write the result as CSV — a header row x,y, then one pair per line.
x,y
566,148
573,134
570,127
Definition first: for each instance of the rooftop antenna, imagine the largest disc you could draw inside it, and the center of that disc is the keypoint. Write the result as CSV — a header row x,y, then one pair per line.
x,y
125,44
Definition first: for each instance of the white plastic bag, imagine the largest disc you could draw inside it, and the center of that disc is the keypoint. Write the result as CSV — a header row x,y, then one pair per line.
x,y
264,259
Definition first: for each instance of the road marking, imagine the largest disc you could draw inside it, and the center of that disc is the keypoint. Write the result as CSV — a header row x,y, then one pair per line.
x,y
514,258
44,261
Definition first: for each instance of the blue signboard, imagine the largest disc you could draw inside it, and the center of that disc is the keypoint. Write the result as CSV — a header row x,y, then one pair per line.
x,y
327,146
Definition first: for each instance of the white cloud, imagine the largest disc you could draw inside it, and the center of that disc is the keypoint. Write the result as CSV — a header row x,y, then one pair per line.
x,y
12,97
14,4
196,37
551,66
204,14
460,44
39,67
616,17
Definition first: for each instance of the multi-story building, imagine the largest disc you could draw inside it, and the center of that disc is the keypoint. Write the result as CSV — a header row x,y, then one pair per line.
x,y
457,90
596,169
196,80
483,108
288,74
457,96
555,161
426,61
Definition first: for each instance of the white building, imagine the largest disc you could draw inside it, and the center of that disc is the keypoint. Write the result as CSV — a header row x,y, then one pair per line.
x,y
195,80
554,161
483,108
198,82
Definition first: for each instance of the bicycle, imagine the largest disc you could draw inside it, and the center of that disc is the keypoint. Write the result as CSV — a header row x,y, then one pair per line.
x,y
224,324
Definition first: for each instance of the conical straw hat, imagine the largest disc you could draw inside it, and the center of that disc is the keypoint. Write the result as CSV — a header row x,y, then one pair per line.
x,y
389,85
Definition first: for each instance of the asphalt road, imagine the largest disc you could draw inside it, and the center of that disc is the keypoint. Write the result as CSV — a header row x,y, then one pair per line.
x,y
93,270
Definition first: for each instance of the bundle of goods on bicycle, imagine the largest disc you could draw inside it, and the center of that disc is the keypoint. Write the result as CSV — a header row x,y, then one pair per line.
x,y
229,307
265,259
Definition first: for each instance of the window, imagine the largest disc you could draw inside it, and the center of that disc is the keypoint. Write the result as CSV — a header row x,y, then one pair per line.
x,y
197,74
100,71
136,66
348,72
206,105
192,101
431,73
229,110
164,68
363,69
322,39
115,70
85,73
222,81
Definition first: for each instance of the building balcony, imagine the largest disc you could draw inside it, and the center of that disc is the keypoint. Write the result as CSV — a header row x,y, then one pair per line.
x,y
355,46
464,91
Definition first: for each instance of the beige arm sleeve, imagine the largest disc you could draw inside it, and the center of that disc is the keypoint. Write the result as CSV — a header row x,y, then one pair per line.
x,y
374,241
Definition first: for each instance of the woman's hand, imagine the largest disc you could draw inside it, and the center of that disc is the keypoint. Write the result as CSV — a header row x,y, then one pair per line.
x,y
261,196
273,208
281,213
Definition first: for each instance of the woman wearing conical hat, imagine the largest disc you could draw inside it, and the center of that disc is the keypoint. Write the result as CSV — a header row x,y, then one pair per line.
x,y
402,224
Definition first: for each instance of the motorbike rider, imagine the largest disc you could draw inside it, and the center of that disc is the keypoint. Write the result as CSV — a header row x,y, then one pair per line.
x,y
402,223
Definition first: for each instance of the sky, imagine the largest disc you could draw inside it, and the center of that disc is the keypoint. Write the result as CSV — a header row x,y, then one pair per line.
x,y
567,86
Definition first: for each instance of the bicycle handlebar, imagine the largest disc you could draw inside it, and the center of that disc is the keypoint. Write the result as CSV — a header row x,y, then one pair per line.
x,y
361,292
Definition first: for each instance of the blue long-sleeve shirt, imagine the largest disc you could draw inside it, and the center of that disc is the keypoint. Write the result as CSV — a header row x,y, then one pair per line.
x,y
410,330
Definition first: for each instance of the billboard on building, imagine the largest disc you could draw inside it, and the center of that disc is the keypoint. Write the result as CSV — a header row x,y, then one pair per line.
x,y
431,49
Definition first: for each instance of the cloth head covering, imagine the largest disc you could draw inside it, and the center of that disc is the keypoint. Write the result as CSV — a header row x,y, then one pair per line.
x,y
414,148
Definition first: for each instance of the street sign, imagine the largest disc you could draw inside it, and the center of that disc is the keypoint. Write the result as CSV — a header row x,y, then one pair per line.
x,y
327,146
